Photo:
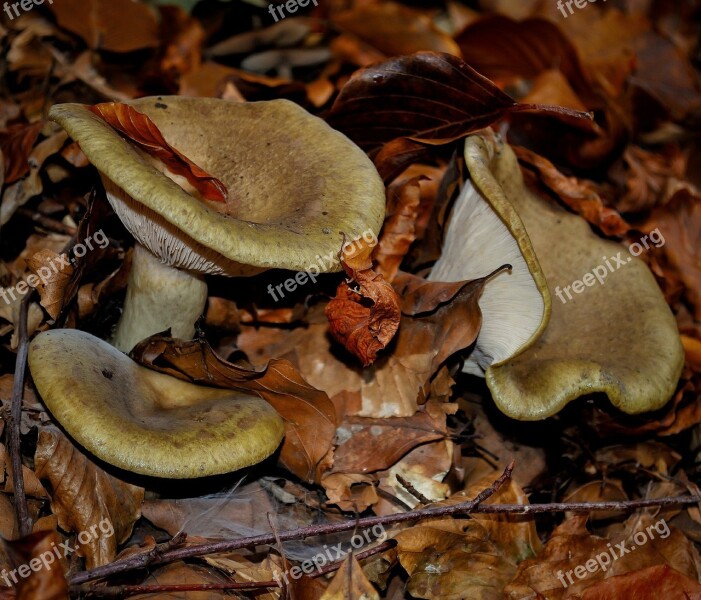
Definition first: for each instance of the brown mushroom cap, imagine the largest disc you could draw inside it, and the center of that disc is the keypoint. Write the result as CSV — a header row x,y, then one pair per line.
x,y
143,421
295,184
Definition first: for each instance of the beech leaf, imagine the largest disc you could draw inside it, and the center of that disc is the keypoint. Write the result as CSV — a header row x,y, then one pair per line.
x,y
140,129
427,97
310,420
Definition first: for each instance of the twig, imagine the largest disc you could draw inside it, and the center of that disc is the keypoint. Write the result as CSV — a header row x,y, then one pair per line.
x,y
15,417
526,509
305,532
47,222
409,487
122,591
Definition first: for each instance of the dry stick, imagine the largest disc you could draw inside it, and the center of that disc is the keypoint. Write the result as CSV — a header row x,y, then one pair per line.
x,y
122,591
15,417
409,487
47,222
470,506
298,534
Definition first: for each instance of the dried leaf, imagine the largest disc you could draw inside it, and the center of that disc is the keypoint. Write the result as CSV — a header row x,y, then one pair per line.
x,y
47,582
83,496
395,29
350,583
363,330
310,420
398,99
16,143
114,25
399,229
580,195
54,273
141,130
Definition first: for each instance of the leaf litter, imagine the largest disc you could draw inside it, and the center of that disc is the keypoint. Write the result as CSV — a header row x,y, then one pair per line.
x,y
591,118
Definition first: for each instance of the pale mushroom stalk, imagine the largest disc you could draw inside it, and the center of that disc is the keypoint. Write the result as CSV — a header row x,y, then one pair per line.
x,y
158,297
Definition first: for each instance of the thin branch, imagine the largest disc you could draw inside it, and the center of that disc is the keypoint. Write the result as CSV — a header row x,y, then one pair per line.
x,y
304,532
583,507
47,222
15,418
122,591
409,487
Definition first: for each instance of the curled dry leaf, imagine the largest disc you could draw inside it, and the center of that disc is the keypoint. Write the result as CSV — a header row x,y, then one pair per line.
x,y
83,496
399,229
46,583
54,272
140,129
310,420
580,195
350,582
16,143
366,320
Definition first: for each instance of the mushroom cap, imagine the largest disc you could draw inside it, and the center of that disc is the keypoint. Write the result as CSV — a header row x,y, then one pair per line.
x,y
143,421
296,185
619,338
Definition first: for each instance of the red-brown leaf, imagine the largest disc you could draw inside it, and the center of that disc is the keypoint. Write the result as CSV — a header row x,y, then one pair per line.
x,y
141,130
16,142
366,320
429,97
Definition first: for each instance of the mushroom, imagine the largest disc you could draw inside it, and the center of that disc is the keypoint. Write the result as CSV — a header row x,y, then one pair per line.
x,y
144,421
296,187
483,235
619,338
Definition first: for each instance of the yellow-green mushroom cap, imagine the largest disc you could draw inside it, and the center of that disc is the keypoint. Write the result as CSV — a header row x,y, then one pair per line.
x,y
618,337
143,421
295,184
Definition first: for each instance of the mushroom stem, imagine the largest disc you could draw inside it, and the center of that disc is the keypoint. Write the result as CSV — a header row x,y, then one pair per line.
x,y
158,297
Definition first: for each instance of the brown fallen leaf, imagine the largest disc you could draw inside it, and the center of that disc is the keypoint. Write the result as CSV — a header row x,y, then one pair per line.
x,y
363,321
310,420
39,574
350,582
368,445
580,195
399,229
52,274
534,46
114,25
395,29
85,496
141,130
16,143
183,574
398,99
653,583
